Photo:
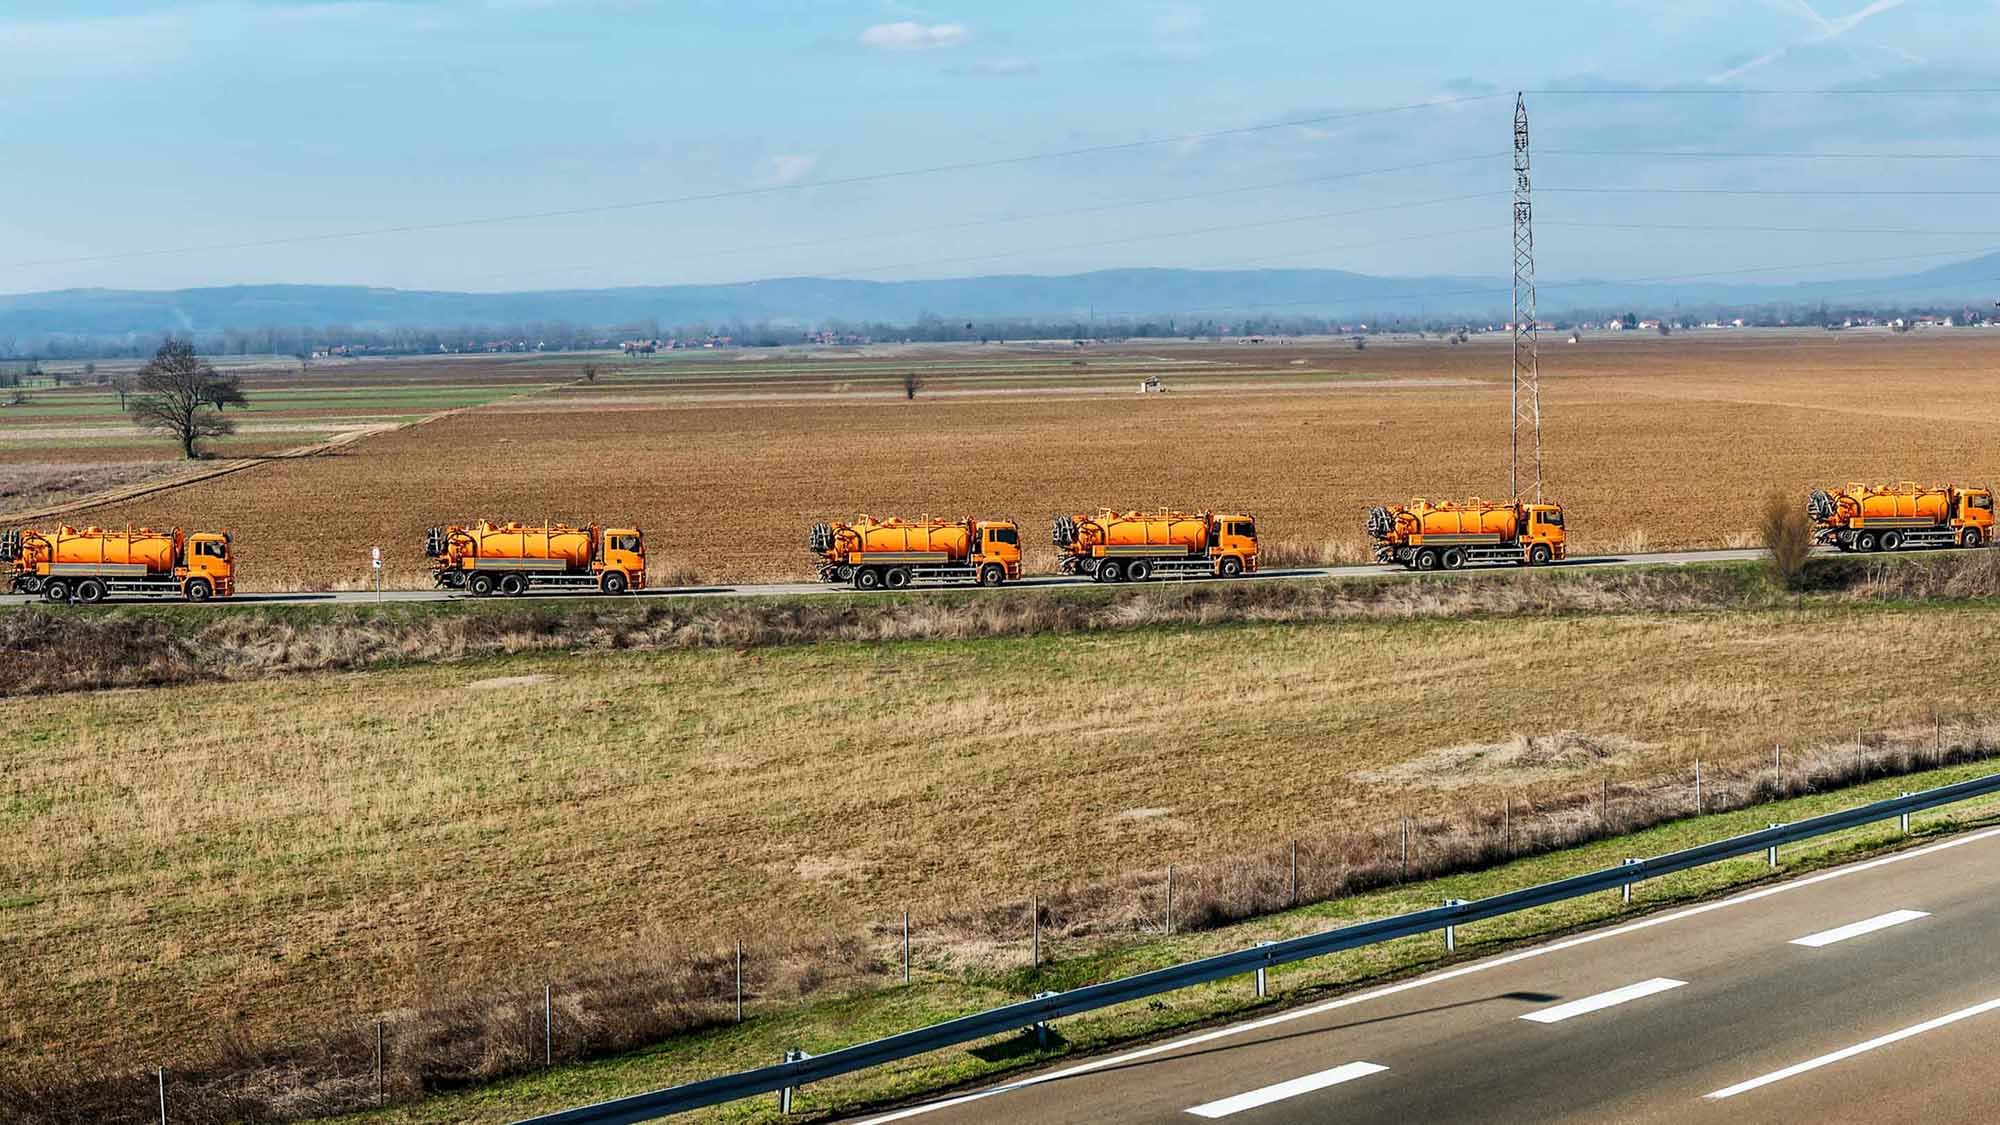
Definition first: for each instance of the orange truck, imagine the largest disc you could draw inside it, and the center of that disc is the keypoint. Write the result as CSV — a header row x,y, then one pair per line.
x,y
893,553
1448,536
92,564
1135,546
1861,517
514,558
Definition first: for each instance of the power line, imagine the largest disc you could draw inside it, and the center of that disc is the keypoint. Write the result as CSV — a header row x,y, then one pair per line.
x,y
1793,154
773,189
1726,91
1735,228
1767,191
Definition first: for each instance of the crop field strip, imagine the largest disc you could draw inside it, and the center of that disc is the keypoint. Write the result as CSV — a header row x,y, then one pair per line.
x,y
415,827
1654,443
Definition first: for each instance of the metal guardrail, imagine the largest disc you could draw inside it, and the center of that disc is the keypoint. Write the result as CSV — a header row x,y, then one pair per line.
x,y
1027,1013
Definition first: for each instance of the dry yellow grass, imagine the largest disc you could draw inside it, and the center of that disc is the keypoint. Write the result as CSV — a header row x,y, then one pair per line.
x,y
1655,443
284,855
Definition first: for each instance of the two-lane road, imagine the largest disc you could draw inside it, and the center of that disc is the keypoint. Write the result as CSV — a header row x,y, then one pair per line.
x,y
1865,993
796,589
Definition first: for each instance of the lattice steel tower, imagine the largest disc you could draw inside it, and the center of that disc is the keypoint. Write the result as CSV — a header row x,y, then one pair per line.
x,y
1527,375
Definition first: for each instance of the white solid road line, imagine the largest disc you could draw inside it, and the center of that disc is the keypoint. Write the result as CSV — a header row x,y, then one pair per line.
x,y
1347,1072
1603,1000
1856,929
1857,1049
1487,965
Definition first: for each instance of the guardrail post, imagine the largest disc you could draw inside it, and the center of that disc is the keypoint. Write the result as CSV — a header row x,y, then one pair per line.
x,y
1262,990
1904,820
1042,1026
1627,890
1451,931
792,1054
1771,854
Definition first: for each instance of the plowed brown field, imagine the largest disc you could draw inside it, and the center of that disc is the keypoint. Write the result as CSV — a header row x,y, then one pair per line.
x,y
726,458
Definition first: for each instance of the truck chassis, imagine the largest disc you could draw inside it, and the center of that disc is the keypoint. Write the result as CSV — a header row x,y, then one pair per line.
x,y
1124,564
902,569
1887,536
90,583
514,577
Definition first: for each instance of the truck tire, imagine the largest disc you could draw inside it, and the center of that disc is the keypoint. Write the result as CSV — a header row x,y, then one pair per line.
x,y
1231,567
1540,555
1454,559
1865,541
1110,571
198,590
55,590
513,585
898,578
992,574
1138,570
614,582
1891,540
1971,538
90,591
1427,559
868,578
480,585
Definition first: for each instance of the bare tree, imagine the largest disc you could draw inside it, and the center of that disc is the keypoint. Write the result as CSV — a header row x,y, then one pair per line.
x,y
1787,534
590,373
181,394
911,385
121,385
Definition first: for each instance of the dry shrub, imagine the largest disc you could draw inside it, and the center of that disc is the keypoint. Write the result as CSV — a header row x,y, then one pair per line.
x,y
1786,532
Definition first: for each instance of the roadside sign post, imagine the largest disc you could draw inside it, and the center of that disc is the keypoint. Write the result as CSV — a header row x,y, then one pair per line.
x,y
375,556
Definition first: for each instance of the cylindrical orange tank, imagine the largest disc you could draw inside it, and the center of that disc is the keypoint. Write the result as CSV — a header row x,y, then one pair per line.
x,y
154,549
571,545
1133,529
953,539
1469,520
1926,504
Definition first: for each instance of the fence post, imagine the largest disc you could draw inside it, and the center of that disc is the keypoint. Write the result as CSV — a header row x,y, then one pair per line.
x,y
1262,989
381,1087
1697,787
1628,887
1451,931
1507,823
1905,818
163,1096
1170,900
1295,872
1604,803
1406,850
906,947
1772,855
1035,930
548,1025
739,982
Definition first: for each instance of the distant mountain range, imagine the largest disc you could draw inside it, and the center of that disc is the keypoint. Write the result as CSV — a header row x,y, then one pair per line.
x,y
1106,295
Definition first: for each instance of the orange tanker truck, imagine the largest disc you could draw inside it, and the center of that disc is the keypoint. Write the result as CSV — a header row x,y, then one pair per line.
x,y
1134,546
876,554
514,558
93,563
1861,517
1447,536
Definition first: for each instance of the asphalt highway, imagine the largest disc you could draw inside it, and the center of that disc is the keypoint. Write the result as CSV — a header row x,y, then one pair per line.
x,y
795,589
1865,993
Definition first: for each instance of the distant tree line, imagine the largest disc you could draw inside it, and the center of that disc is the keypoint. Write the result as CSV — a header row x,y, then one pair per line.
x,y
531,336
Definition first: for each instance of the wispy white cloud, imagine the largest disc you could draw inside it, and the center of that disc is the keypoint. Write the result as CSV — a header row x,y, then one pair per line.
x,y
909,35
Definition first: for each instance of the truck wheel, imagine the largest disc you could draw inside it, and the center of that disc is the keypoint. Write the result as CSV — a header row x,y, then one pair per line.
x,y
1427,559
1110,571
867,578
513,585
1865,541
480,585
1971,538
992,574
843,574
614,582
56,590
90,591
898,578
198,590
1891,540
1540,555
1232,567
1138,570
1454,559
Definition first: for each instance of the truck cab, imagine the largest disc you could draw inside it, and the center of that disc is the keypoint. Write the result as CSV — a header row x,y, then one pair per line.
x,y
1233,545
1974,517
208,567
623,550
999,544
1544,529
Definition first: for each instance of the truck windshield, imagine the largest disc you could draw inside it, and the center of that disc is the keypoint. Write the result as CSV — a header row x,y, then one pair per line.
x,y
625,543
1553,518
1982,501
208,548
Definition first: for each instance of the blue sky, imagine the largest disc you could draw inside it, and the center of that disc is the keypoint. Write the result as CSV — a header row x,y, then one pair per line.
x,y
135,126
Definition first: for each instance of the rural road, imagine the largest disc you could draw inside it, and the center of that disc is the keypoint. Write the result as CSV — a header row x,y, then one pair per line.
x,y
1865,993
794,589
